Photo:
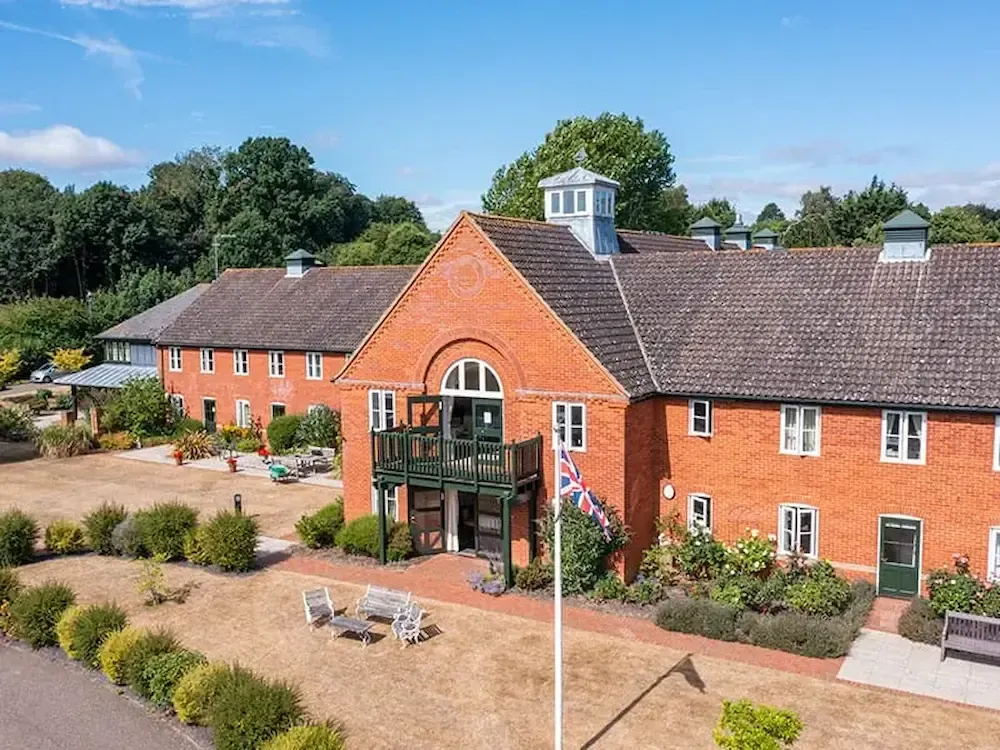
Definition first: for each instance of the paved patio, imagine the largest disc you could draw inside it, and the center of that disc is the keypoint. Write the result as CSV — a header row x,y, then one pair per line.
x,y
890,661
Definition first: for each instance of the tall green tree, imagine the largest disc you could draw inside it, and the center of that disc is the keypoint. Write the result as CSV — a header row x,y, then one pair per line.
x,y
617,146
392,209
859,216
676,211
28,254
959,224
770,213
812,230
819,202
719,209
383,244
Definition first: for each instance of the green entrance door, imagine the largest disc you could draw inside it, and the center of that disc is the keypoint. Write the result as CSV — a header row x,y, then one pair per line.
x,y
487,419
899,556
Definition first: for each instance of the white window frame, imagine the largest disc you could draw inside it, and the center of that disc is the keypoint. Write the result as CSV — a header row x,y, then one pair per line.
x,y
175,360
800,409
391,502
798,510
904,437
380,416
177,400
241,362
992,573
314,365
207,357
241,405
565,430
701,520
709,409
283,406
996,443
555,202
276,363
462,390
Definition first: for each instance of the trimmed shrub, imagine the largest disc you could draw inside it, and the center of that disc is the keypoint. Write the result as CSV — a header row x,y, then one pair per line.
x,y
229,540
10,585
281,432
248,445
116,441
744,726
18,532
920,623
698,616
100,524
196,691
320,529
114,650
194,547
584,547
276,707
35,612
320,428
63,441
92,627
820,592
953,592
400,544
163,528
164,671
126,539
308,737
360,536
66,630
739,591
64,537
538,575
136,659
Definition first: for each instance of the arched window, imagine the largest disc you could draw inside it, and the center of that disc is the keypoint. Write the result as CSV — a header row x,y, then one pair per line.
x,y
471,377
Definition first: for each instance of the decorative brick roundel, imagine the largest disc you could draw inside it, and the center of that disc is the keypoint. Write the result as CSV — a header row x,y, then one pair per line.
x,y
467,275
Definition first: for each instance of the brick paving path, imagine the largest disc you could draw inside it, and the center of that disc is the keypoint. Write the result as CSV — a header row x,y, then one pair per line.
x,y
885,614
442,577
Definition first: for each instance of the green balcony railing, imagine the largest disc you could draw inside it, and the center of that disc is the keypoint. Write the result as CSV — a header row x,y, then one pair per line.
x,y
410,455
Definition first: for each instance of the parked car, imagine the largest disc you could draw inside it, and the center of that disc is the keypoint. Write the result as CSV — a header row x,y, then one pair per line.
x,y
46,373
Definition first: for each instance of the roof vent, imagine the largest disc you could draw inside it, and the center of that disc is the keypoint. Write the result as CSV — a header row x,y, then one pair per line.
x,y
297,264
767,239
585,202
739,234
905,237
709,230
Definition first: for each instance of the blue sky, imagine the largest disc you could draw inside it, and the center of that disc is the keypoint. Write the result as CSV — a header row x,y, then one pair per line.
x,y
759,101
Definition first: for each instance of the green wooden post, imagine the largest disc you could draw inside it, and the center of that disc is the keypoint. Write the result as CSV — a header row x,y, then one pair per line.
x,y
508,567
382,554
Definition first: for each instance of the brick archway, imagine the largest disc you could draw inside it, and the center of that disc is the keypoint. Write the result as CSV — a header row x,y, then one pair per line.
x,y
476,343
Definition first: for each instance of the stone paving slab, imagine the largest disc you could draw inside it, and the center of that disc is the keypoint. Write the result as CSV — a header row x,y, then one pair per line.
x,y
888,660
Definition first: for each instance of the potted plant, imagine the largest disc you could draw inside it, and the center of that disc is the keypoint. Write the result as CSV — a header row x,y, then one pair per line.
x,y
178,457
231,461
262,452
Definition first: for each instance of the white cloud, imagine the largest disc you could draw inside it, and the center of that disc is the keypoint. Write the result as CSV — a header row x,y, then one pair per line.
x,y
825,151
440,212
407,170
954,186
122,58
190,5
64,147
18,108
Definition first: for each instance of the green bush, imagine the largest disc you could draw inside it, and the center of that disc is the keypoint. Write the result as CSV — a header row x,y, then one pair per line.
x,y
188,424
584,547
699,555
645,590
989,603
163,528
248,445
92,626
62,441
229,540
18,532
114,650
308,737
820,592
66,630
35,612
920,623
320,428
116,441
10,585
196,691
194,546
126,539
16,425
400,545
739,591
64,402
360,536
953,592
699,616
164,671
140,407
538,575
137,658
64,537
751,555
744,726
320,529
100,524
609,587
282,431
249,710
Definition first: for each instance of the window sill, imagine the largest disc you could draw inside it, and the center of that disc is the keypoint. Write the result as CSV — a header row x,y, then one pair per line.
x,y
904,462
799,454
700,434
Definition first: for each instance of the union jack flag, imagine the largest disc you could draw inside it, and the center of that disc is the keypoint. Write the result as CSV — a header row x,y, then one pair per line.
x,y
571,485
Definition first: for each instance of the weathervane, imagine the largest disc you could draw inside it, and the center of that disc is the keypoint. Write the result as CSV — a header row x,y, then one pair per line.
x,y
581,156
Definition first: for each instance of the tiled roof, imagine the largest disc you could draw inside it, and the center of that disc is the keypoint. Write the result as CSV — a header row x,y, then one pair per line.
x,y
821,324
147,325
328,309
631,241
579,289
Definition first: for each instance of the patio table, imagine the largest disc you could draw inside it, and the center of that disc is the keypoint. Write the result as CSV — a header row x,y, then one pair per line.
x,y
361,628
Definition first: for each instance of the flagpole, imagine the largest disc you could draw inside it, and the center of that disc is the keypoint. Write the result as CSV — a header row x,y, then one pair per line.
x,y
557,620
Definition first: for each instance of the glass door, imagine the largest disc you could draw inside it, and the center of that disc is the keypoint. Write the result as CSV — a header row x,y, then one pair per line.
x,y
899,556
208,414
487,419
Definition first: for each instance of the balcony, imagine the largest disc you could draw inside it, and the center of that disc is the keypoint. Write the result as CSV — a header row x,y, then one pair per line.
x,y
416,458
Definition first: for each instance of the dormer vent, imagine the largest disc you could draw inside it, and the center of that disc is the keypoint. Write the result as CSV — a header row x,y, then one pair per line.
x,y
906,236
738,234
709,230
585,202
766,238
297,264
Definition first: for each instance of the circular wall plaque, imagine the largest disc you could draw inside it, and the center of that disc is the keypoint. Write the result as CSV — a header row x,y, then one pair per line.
x,y
669,492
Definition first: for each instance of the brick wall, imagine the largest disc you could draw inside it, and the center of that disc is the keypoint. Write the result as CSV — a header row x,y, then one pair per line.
x,y
293,390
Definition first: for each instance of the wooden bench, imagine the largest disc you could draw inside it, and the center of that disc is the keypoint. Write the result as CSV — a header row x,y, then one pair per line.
x,y
972,634
382,602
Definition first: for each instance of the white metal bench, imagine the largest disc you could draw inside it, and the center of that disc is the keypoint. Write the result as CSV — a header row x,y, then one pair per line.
x,y
319,606
406,625
973,634
382,602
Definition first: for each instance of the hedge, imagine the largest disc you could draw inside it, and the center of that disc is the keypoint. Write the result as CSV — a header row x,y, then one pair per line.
x,y
164,671
360,536
100,523
920,623
699,616
320,529
18,532
276,707
196,691
35,612
308,737
92,627
230,541
163,528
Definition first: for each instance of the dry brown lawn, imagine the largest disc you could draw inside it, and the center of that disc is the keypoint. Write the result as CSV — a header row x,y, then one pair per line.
x,y
70,487
485,680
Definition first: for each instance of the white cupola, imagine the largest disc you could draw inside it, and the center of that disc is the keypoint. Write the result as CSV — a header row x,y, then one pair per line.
x,y
585,202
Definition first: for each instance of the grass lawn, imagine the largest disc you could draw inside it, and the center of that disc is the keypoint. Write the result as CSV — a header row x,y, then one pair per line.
x,y
485,680
70,487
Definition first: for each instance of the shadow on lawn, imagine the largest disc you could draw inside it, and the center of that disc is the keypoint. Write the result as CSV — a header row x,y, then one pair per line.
x,y
683,667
